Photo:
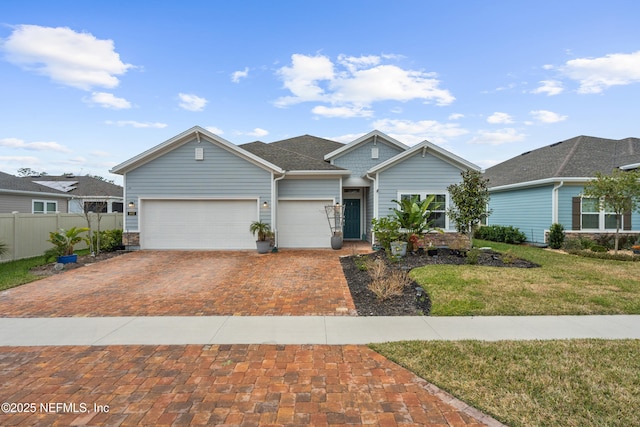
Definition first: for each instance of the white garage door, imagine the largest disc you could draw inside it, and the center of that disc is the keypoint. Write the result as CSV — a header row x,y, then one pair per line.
x,y
303,224
197,224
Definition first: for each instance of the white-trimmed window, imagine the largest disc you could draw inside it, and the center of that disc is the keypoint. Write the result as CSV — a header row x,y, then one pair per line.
x,y
592,218
438,207
44,206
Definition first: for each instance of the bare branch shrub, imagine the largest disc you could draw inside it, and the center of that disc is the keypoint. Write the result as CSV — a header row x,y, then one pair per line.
x,y
384,283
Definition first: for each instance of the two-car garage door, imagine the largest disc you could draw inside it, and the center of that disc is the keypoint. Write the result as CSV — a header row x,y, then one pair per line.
x,y
197,224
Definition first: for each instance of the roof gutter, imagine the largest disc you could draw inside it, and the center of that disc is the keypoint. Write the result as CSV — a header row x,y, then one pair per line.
x,y
36,193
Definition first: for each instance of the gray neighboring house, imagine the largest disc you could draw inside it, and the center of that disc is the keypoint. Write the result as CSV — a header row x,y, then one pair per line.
x,y
199,191
87,193
544,186
24,196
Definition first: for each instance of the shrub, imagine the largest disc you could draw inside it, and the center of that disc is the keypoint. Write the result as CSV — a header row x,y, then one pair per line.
x,y
386,230
509,257
385,284
110,240
473,256
598,248
501,233
556,236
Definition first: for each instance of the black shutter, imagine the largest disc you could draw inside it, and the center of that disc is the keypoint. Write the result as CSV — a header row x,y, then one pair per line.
x,y
576,203
626,220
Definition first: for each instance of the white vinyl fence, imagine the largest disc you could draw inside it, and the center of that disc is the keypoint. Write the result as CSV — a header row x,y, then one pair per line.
x,y
26,235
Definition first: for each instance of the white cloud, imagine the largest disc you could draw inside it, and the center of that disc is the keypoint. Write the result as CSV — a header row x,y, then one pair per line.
x,y
497,137
33,146
549,87
100,153
136,124
257,132
236,76
108,100
214,130
68,57
455,116
545,116
192,102
597,74
499,118
411,132
343,112
354,83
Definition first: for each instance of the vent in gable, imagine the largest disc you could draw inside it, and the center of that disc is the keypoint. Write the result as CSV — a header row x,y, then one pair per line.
x,y
199,153
375,153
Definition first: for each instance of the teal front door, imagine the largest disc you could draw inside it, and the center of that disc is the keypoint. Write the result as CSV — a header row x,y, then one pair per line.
x,y
351,218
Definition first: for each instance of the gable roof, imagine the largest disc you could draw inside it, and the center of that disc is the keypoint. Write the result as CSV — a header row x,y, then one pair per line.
x,y
353,144
579,157
308,145
290,159
16,185
426,147
84,186
183,138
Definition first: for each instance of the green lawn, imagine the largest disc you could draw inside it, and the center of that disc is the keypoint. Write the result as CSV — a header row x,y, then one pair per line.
x,y
564,284
533,383
15,273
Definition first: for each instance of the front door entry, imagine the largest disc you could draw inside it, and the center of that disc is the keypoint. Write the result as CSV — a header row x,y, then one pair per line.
x,y
352,219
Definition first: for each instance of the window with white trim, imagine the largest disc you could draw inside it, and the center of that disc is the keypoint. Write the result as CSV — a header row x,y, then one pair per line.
x,y
593,218
44,207
438,207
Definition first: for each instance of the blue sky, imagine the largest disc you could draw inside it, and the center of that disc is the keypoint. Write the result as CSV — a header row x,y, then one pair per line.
x,y
88,85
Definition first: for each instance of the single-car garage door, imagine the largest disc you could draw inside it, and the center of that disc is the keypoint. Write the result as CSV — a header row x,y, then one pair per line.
x,y
197,224
303,224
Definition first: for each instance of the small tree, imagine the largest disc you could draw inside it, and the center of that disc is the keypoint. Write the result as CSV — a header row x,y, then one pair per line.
x,y
556,236
470,199
618,193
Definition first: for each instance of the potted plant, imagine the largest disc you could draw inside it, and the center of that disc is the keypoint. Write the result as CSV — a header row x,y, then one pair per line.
x,y
336,240
63,242
636,249
264,233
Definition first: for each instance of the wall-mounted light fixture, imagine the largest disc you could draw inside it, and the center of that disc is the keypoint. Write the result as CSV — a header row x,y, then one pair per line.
x,y
265,204
131,205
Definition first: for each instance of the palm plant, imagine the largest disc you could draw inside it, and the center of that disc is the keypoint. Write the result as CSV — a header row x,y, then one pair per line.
x,y
262,229
64,240
413,214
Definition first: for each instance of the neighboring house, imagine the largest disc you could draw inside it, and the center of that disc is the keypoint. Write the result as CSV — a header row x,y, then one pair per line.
x,y
199,191
23,196
88,194
544,186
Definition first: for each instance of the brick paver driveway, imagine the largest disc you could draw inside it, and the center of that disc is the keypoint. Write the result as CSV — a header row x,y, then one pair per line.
x,y
238,385
186,283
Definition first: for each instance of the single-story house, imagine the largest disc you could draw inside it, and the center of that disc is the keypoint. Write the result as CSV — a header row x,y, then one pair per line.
x,y
544,186
199,191
23,196
88,194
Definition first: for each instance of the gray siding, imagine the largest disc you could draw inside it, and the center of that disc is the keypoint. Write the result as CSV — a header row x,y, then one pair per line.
x,y
177,174
359,160
16,203
415,174
309,188
528,209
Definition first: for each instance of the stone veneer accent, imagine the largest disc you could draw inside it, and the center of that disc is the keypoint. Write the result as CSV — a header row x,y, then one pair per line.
x,y
131,239
452,240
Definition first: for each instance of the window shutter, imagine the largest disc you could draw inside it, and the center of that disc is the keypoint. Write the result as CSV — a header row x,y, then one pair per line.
x,y
575,212
626,220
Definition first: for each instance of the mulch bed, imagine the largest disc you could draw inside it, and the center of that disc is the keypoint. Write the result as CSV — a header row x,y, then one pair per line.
x,y
366,302
51,268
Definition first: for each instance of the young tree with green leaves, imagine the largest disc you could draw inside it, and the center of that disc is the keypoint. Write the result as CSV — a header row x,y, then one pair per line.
x,y
470,200
618,193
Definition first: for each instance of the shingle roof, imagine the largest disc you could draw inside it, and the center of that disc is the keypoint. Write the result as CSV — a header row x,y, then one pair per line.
x,y
300,153
577,157
84,185
14,183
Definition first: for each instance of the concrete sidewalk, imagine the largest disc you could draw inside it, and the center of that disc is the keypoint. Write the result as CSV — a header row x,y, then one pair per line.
x,y
333,330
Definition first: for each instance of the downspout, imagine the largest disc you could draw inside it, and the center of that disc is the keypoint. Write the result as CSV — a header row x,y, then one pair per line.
x,y
375,202
554,202
274,210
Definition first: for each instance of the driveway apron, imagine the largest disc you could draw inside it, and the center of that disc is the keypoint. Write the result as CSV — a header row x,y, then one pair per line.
x,y
190,283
